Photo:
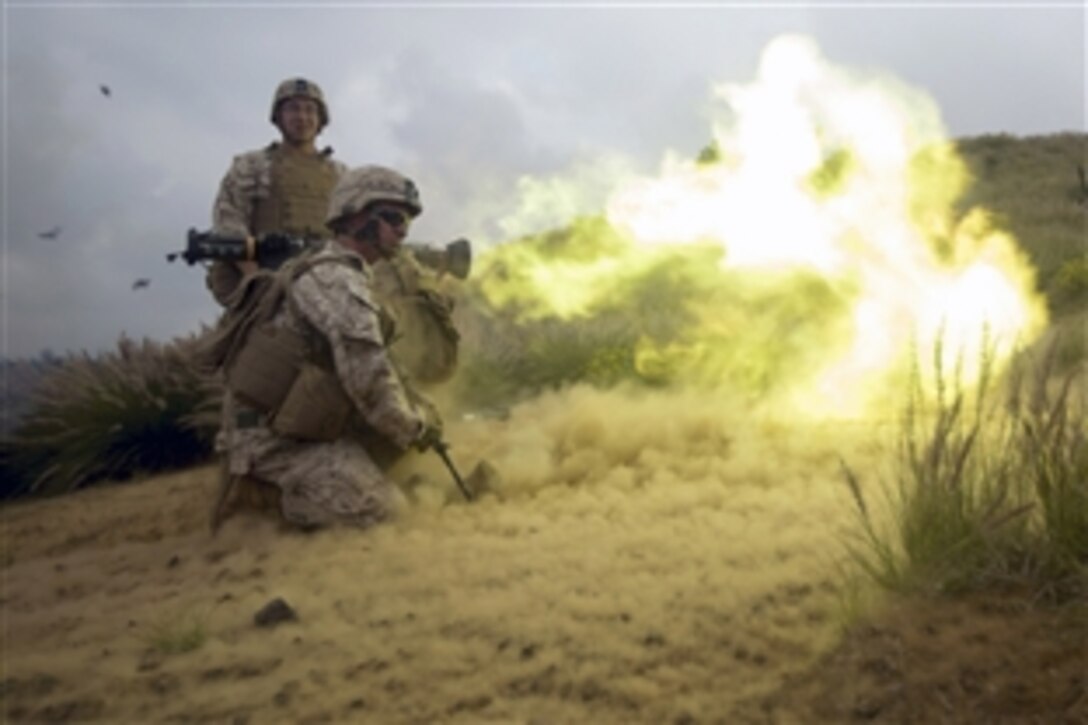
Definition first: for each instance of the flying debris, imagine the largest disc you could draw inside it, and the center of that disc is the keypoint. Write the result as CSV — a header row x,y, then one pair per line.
x,y
51,234
105,90
141,283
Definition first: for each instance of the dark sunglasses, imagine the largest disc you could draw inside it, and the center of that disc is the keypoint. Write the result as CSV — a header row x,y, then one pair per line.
x,y
393,217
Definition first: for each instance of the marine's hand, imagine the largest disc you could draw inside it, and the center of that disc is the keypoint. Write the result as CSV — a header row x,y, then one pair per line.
x,y
430,436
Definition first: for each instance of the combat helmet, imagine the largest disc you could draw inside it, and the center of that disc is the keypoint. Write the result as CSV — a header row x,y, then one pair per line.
x,y
365,185
300,87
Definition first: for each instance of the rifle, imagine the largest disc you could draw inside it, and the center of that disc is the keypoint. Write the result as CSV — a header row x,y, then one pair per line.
x,y
272,250
442,449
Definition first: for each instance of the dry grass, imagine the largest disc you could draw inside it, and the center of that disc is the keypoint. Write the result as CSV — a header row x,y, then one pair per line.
x,y
176,633
111,416
988,492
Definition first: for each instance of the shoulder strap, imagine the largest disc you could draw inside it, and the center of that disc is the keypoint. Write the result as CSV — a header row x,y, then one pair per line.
x,y
291,271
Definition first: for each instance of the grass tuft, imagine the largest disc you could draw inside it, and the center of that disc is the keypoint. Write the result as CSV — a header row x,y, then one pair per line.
x,y
987,492
111,416
177,635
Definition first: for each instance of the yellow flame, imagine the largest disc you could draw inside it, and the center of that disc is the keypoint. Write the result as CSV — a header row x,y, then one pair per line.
x,y
825,174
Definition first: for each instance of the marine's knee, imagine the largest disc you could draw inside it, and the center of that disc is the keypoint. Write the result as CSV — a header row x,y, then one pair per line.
x,y
373,508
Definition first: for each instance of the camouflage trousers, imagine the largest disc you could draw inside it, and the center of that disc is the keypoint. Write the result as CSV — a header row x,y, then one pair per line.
x,y
319,483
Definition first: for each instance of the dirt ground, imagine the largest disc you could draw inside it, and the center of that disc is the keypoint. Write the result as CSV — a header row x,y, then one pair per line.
x,y
980,660
647,559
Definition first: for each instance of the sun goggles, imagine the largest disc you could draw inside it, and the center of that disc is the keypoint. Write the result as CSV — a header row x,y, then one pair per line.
x,y
393,217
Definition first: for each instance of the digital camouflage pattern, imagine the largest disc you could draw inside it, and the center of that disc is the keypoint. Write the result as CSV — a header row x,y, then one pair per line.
x,y
255,198
336,300
365,185
426,348
324,482
295,87
319,484
248,180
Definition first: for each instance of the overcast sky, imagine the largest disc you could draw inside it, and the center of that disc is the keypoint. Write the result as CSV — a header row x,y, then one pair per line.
x,y
466,99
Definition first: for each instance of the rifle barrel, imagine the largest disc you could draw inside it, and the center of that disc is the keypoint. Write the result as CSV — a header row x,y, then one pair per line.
x,y
442,449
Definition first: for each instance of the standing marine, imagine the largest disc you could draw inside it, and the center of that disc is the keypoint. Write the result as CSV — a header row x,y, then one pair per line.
x,y
282,188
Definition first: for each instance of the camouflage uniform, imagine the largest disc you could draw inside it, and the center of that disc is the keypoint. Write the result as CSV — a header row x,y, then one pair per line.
x,y
249,183
324,482
274,190
248,179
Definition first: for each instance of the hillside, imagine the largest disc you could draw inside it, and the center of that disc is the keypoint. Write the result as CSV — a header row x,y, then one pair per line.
x,y
1035,185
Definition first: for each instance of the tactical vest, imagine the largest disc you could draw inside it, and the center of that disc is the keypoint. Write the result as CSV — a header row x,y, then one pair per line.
x,y
298,195
288,377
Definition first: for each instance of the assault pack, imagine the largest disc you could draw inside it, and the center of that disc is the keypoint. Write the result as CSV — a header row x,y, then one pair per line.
x,y
286,376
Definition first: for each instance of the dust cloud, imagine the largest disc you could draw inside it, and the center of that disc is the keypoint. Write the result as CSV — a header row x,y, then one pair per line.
x,y
818,244
646,555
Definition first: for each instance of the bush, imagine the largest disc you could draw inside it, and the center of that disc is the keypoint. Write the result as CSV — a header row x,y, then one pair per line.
x,y
538,313
1070,287
134,410
1052,451
986,493
175,633
1032,185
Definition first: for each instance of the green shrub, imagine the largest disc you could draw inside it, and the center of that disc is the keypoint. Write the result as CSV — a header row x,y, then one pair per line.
x,y
111,416
177,634
658,317
987,493
1032,186
1052,446
506,360
1070,286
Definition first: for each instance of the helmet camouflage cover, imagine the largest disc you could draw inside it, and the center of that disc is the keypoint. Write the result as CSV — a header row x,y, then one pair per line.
x,y
300,87
365,185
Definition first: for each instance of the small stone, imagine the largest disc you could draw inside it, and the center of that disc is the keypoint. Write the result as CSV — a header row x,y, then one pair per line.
x,y
274,612
483,479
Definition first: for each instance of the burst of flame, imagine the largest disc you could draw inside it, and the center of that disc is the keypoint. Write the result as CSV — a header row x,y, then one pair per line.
x,y
836,174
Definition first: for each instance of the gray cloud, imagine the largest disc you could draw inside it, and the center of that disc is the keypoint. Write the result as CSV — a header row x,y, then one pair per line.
x,y
1015,70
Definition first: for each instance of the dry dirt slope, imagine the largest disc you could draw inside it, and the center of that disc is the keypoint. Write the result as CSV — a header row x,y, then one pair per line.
x,y
652,559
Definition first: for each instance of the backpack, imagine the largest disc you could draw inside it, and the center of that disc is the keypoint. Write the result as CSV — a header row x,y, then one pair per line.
x,y
272,368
